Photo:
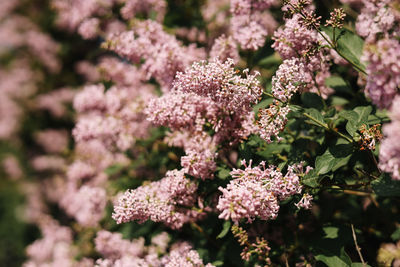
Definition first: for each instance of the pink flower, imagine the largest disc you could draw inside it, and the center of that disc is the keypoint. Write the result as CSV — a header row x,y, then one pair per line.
x,y
169,201
255,192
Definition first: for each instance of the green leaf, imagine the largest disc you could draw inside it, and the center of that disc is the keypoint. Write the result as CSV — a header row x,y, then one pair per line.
x,y
338,84
218,263
352,117
225,229
331,260
385,186
114,169
296,108
263,104
363,113
349,45
396,235
311,179
339,101
316,115
311,100
223,173
344,256
325,163
273,149
356,118
269,61
331,232
359,264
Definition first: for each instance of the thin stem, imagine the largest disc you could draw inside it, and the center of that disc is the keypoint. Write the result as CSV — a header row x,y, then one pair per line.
x,y
357,193
334,36
324,125
332,45
351,192
372,156
277,99
357,247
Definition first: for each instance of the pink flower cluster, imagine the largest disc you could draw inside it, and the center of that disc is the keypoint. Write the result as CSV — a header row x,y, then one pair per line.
x,y
53,141
163,54
73,12
114,116
289,79
17,32
207,96
381,51
224,48
271,121
389,160
119,252
295,41
56,101
54,248
17,84
169,200
377,17
133,7
305,202
255,192
249,22
12,167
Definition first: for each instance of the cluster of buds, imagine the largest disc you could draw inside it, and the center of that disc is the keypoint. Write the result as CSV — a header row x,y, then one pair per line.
x,y
259,247
336,19
369,136
292,7
309,18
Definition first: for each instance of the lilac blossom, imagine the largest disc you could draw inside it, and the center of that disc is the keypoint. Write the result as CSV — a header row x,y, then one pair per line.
x,y
169,200
86,205
53,141
132,7
271,121
294,40
305,202
256,192
89,28
164,55
383,71
224,48
389,160
288,79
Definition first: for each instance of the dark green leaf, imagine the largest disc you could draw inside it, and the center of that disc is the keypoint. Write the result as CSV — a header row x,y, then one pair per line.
x,y
325,163
316,115
338,84
359,264
349,45
331,260
263,104
296,108
363,113
225,229
311,100
356,118
273,149
114,169
223,173
396,235
311,179
269,61
386,186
